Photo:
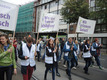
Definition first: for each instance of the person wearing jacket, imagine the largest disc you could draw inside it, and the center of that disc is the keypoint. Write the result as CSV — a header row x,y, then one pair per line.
x,y
76,54
62,45
16,50
69,49
87,56
27,56
96,52
38,50
50,59
7,58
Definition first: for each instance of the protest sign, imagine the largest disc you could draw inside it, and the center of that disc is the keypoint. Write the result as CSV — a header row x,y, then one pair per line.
x,y
85,26
49,22
8,16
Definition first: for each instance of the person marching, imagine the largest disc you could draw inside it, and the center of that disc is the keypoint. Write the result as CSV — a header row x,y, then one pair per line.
x,y
27,56
16,49
76,54
87,56
62,45
69,49
7,58
38,50
96,46
56,44
50,59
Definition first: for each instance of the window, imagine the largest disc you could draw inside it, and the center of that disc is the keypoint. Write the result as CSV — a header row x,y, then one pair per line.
x,y
97,28
92,3
54,12
42,1
63,30
71,28
99,21
104,42
45,6
42,7
61,21
61,1
53,4
104,28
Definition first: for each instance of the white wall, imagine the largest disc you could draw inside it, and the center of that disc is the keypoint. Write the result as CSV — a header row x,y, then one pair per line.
x,y
89,35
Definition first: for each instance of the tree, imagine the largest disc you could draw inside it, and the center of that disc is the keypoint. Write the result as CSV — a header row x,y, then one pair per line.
x,y
100,11
73,9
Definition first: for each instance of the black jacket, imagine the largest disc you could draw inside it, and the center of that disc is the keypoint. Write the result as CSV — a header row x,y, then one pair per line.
x,y
62,44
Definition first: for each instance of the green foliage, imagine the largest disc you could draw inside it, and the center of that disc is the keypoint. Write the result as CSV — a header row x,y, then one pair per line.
x,y
73,9
100,11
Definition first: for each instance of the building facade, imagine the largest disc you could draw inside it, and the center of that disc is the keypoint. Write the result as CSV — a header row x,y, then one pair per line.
x,y
25,22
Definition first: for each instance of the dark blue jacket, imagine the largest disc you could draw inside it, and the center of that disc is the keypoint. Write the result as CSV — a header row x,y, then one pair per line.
x,y
69,50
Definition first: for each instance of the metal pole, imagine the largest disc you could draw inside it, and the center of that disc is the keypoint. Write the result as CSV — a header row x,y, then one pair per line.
x,y
67,29
57,13
77,36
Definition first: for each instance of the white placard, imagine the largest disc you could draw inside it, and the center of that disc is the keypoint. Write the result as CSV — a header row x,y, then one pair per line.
x,y
49,22
85,26
8,16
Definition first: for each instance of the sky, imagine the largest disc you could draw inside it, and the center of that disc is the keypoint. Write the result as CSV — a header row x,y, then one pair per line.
x,y
18,2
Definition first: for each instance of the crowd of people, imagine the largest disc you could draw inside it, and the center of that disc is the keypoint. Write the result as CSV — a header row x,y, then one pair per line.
x,y
55,51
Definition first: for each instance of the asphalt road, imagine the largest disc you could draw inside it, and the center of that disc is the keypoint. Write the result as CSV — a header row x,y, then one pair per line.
x,y
95,72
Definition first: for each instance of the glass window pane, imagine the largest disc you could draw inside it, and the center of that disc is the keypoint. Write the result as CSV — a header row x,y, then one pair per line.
x,y
104,28
97,28
105,41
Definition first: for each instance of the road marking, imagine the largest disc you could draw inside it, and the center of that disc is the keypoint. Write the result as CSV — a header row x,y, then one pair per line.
x,y
34,77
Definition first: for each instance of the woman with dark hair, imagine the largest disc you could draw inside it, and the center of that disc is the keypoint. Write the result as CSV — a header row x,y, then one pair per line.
x,y
16,50
50,59
87,55
7,58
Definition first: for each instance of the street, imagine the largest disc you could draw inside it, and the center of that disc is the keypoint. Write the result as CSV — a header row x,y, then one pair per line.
x,y
95,72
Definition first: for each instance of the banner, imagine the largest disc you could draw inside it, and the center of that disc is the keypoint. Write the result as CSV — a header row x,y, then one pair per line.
x,y
49,22
8,16
85,26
